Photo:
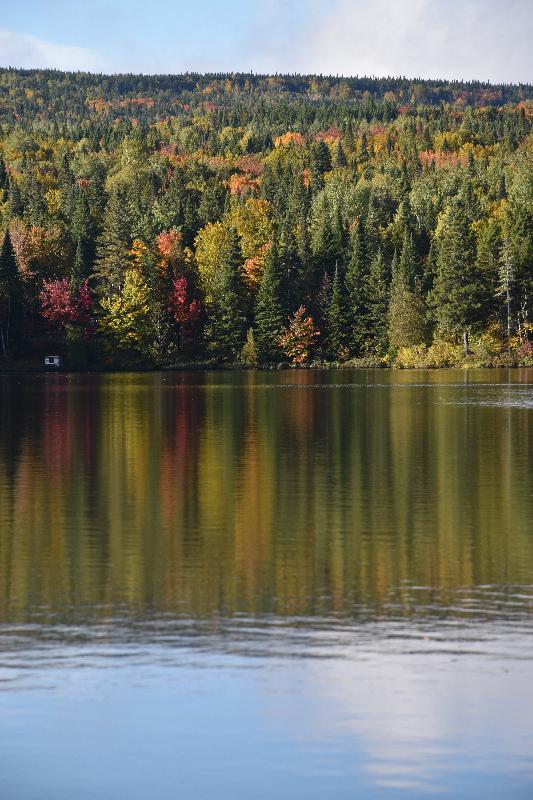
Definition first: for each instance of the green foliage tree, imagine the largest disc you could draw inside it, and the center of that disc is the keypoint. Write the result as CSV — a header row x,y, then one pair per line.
x,y
457,296
11,300
112,250
226,326
269,315
336,337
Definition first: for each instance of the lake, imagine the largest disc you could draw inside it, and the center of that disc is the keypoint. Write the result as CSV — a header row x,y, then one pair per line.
x,y
273,585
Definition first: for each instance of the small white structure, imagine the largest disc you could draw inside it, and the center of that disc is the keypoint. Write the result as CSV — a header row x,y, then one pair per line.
x,y
52,361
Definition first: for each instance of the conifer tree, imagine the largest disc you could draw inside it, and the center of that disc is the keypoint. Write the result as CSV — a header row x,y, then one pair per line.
x,y
408,265
378,306
336,319
457,293
407,320
112,249
269,315
340,156
11,299
226,326
357,299
321,157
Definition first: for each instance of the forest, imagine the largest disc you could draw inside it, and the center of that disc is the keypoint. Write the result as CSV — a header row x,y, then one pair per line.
x,y
246,220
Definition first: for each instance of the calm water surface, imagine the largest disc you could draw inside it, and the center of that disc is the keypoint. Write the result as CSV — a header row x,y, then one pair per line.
x,y
266,585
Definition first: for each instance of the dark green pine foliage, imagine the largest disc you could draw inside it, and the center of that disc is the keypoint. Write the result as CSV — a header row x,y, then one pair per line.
x,y
372,233
226,327
269,314
112,247
3,174
378,306
34,203
457,296
408,264
336,337
11,300
82,231
321,158
407,324
356,281
327,242
289,267
340,156
15,206
308,278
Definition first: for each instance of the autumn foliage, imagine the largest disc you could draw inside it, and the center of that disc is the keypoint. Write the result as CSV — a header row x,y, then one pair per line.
x,y
299,337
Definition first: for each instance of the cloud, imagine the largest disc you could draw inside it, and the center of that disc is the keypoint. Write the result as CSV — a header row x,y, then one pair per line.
x,y
472,39
26,51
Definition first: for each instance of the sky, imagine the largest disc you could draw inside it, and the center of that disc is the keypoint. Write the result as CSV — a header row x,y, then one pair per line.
x,y
488,40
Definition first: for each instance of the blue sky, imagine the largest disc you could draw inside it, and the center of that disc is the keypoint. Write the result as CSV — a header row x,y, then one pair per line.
x,y
483,39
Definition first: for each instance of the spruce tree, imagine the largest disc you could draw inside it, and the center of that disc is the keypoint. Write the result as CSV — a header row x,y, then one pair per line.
x,y
226,327
378,306
357,299
407,320
11,299
321,158
289,268
269,316
112,248
408,265
336,336
457,292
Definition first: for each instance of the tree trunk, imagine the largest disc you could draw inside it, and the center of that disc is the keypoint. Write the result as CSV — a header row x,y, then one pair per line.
x,y
466,346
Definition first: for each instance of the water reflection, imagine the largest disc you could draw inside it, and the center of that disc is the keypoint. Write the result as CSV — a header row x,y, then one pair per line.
x,y
361,540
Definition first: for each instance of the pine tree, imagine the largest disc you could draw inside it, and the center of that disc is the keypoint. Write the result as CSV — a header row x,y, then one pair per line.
x,y
11,299
112,249
336,319
407,320
408,265
321,158
340,156
269,316
226,327
378,303
356,288
15,206
457,293
506,283
289,268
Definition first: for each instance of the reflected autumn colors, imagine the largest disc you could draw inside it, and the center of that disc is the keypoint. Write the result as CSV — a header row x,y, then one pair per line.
x,y
270,584
295,494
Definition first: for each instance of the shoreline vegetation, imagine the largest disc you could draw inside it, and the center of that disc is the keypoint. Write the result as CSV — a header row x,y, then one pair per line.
x,y
241,221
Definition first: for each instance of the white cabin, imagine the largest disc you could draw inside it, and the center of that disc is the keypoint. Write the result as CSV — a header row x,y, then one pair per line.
x,y
52,361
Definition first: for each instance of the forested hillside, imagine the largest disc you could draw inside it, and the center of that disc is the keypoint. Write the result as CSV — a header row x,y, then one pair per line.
x,y
259,220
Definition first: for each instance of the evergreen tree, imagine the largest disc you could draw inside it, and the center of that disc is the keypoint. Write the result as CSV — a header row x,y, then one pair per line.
x,y
11,299
408,265
15,206
340,156
457,293
357,300
269,316
336,319
289,268
112,248
378,306
407,320
321,158
226,326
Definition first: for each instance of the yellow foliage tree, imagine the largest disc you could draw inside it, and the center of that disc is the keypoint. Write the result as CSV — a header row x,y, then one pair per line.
x,y
126,316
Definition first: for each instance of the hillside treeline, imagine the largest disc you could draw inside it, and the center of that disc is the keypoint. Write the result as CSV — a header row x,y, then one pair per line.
x,y
259,220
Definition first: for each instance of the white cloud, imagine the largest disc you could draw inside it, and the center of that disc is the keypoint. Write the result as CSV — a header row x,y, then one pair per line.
x,y
425,38
470,39
23,50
